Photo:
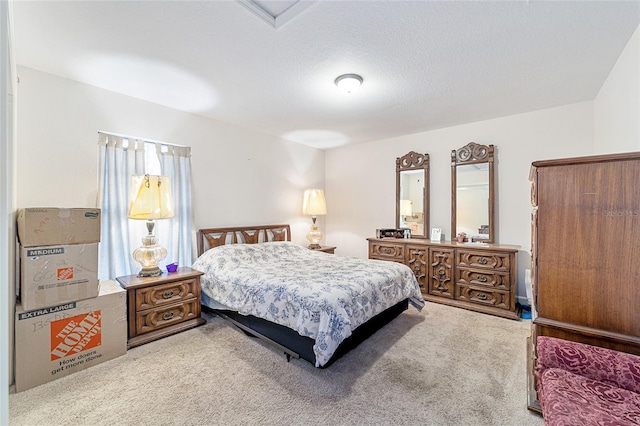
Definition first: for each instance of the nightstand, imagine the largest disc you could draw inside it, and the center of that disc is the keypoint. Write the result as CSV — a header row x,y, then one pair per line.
x,y
325,249
160,306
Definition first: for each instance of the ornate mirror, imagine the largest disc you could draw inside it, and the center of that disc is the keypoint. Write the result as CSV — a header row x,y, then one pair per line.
x,y
412,193
472,193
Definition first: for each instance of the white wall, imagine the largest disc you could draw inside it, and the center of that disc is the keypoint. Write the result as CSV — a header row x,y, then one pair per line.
x,y
617,106
7,204
239,177
360,179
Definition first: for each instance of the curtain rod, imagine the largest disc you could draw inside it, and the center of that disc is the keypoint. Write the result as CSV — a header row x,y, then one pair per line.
x,y
141,139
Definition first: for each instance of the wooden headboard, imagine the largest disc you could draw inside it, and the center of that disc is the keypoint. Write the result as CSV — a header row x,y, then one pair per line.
x,y
213,237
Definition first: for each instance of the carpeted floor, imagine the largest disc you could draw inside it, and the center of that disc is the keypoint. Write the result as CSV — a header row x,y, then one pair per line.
x,y
441,366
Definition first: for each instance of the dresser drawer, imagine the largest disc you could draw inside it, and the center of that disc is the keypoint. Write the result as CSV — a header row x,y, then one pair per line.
x,y
389,251
483,260
482,296
165,316
163,294
441,272
483,278
417,261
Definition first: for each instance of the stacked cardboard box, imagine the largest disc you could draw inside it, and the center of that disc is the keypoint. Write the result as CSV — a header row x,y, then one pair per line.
x,y
66,320
58,255
59,340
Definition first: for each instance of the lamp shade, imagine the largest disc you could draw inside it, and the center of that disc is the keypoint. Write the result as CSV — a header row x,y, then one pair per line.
x,y
150,197
314,203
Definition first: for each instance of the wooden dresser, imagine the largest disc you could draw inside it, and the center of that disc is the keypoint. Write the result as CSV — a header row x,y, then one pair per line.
x,y
586,250
163,305
479,277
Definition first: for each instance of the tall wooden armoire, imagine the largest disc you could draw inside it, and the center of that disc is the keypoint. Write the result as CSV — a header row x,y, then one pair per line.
x,y
586,250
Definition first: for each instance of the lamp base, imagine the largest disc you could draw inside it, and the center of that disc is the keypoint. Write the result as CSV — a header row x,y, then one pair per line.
x,y
314,236
148,255
153,271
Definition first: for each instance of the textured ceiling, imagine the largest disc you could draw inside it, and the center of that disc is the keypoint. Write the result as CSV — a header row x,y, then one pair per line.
x,y
425,64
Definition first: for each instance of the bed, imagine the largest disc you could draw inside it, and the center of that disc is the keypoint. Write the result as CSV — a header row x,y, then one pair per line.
x,y
309,304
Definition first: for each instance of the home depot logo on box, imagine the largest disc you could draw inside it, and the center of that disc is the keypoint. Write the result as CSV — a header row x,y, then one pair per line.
x,y
65,273
52,276
72,335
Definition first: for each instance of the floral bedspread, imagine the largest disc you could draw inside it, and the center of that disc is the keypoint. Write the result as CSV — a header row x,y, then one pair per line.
x,y
321,296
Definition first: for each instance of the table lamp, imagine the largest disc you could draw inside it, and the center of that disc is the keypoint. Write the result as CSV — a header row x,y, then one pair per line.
x,y
314,205
150,199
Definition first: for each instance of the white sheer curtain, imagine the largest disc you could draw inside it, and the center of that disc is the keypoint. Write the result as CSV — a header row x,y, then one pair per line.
x,y
119,158
177,236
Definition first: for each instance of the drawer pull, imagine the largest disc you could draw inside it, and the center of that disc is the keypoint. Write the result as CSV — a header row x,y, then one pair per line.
x,y
167,315
167,294
386,250
482,278
482,296
482,260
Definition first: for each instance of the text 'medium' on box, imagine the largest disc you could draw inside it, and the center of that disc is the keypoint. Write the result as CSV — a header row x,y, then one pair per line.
x,y
59,340
53,275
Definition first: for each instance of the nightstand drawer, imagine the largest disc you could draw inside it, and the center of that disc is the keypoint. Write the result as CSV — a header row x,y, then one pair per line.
x,y
160,295
165,316
163,305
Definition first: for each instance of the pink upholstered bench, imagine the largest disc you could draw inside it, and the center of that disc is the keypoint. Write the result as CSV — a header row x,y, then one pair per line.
x,y
584,385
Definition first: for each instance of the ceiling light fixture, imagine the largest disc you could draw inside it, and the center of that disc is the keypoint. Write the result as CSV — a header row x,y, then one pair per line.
x,y
348,82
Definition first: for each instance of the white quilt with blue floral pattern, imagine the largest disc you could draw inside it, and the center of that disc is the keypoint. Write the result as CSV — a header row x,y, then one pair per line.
x,y
321,296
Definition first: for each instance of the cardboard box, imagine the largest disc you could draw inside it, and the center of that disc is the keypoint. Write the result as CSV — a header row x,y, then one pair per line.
x,y
52,275
54,226
60,340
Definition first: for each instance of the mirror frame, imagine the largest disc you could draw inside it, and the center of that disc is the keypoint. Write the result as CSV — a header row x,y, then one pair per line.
x,y
414,161
473,153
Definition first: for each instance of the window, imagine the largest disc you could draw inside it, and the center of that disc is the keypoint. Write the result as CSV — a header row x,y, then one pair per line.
x,y
119,158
